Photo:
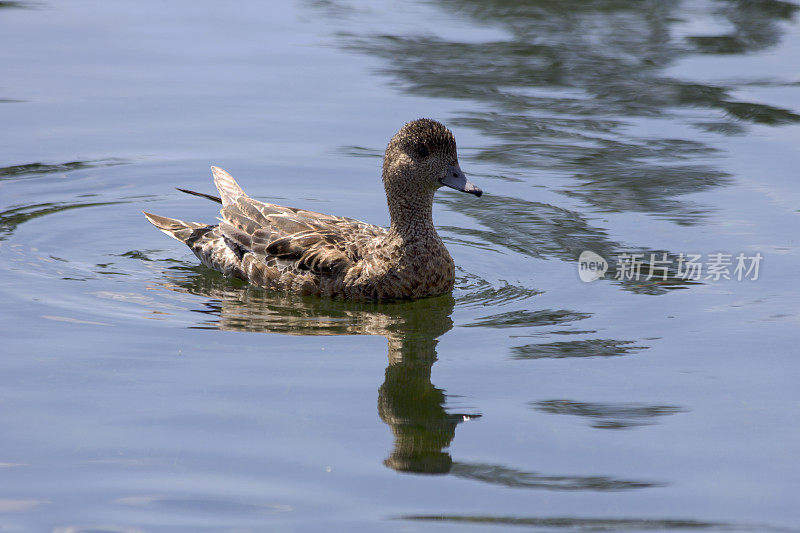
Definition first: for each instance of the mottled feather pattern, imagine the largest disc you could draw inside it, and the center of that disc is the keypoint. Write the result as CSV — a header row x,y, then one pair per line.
x,y
306,252
287,249
228,189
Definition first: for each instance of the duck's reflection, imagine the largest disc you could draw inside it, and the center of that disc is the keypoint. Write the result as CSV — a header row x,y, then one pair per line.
x,y
408,402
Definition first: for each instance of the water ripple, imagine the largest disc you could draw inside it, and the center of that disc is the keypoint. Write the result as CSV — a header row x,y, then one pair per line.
x,y
609,415
38,169
576,348
595,524
524,318
509,477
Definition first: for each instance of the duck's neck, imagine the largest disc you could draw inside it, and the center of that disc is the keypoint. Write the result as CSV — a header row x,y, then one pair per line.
x,y
412,216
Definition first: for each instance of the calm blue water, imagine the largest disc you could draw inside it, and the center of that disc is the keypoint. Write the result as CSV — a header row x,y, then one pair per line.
x,y
142,392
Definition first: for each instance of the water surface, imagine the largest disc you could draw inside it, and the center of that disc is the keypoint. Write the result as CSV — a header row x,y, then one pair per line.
x,y
142,392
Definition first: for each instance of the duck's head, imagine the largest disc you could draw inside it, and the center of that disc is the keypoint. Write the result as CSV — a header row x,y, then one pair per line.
x,y
422,157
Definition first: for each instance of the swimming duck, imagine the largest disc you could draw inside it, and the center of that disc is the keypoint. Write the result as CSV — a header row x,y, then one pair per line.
x,y
309,253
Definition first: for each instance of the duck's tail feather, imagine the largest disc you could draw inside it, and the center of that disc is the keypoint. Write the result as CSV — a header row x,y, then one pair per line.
x,y
177,229
202,195
228,189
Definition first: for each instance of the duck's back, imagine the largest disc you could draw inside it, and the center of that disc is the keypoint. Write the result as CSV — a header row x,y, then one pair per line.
x,y
278,247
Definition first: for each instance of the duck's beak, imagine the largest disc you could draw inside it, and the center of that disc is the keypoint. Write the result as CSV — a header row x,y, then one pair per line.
x,y
456,179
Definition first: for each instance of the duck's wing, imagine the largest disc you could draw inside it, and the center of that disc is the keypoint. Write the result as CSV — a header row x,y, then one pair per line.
x,y
313,241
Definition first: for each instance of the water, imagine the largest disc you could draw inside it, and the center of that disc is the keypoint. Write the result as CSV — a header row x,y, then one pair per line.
x,y
142,392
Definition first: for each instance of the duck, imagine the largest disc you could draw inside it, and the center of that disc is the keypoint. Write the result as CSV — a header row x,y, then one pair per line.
x,y
308,253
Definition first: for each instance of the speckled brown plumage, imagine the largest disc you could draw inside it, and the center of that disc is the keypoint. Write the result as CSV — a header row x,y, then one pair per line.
x,y
305,252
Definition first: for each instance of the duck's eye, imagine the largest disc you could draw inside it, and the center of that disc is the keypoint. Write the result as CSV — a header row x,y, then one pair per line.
x,y
423,152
